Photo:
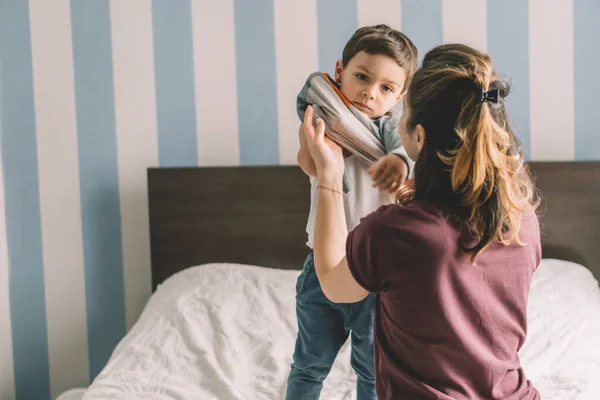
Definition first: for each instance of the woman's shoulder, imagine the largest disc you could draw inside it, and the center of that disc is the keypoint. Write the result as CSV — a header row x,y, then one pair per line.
x,y
418,222
422,213
416,213
420,231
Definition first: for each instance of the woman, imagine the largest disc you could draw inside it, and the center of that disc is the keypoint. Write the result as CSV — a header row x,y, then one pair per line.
x,y
452,265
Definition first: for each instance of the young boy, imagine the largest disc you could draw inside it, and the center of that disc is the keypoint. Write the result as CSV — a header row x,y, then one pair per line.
x,y
374,72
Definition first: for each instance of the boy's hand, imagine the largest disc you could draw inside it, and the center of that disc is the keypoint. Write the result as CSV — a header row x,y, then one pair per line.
x,y
389,173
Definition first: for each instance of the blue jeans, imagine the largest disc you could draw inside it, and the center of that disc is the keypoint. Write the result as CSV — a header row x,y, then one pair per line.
x,y
323,328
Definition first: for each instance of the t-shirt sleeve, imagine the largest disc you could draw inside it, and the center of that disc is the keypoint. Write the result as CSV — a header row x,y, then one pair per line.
x,y
302,97
530,225
384,246
393,143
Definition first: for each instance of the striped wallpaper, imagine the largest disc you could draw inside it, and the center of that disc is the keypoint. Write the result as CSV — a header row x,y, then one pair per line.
x,y
94,91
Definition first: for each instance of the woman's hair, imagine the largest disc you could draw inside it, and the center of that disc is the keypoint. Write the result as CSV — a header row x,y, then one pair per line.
x,y
471,160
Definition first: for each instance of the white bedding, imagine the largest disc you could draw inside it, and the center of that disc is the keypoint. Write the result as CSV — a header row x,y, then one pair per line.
x,y
227,332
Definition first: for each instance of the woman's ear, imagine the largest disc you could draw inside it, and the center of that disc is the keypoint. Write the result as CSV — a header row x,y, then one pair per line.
x,y
420,138
339,69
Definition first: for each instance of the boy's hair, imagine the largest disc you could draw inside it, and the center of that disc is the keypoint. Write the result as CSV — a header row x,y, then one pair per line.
x,y
471,160
382,39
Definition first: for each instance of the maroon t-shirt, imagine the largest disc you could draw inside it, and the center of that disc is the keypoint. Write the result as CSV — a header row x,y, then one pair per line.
x,y
444,328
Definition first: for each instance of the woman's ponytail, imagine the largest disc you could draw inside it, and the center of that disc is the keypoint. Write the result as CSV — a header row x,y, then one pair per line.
x,y
459,100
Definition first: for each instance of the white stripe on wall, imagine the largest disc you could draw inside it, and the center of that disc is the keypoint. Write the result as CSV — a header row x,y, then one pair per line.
x,y
296,49
60,203
551,80
137,141
371,12
7,373
215,82
465,21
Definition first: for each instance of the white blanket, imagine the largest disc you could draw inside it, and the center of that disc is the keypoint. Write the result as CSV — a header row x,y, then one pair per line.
x,y
227,332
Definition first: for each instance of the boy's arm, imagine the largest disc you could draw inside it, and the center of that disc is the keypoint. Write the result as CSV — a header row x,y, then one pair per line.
x,y
393,145
304,158
400,152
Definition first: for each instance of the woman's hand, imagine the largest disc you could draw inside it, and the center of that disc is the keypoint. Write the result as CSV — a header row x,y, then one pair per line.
x,y
326,154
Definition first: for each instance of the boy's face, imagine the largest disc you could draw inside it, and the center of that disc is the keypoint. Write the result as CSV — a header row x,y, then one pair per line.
x,y
372,82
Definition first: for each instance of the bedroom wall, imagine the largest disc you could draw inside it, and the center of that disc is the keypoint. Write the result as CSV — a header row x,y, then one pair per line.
x,y
94,91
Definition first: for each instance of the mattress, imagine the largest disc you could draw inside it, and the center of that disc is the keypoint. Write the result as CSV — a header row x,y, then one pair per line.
x,y
227,331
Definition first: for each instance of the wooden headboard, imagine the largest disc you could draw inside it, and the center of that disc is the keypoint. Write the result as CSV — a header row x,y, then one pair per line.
x,y
570,211
257,215
246,215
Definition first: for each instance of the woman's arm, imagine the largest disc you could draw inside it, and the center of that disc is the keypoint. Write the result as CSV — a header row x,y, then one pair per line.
x,y
337,283
305,161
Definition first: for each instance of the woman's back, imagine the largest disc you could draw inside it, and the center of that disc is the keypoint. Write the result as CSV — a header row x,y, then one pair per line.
x,y
444,328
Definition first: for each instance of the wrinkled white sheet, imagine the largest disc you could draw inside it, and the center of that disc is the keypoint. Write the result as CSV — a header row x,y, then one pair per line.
x,y
225,331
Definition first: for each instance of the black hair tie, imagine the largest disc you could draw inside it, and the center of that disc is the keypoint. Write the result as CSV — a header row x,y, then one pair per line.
x,y
482,95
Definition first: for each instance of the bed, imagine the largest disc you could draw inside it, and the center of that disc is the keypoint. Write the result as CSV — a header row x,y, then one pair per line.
x,y
227,245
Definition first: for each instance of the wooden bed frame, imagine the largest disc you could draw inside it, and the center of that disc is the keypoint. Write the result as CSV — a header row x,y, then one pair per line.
x,y
257,215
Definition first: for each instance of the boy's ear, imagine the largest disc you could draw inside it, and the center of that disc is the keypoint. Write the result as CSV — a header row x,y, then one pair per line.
x,y
401,95
339,68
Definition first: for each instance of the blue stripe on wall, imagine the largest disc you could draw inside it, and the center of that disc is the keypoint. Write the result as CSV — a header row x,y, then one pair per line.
x,y
174,75
256,82
422,23
337,20
101,221
23,221
586,61
509,49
